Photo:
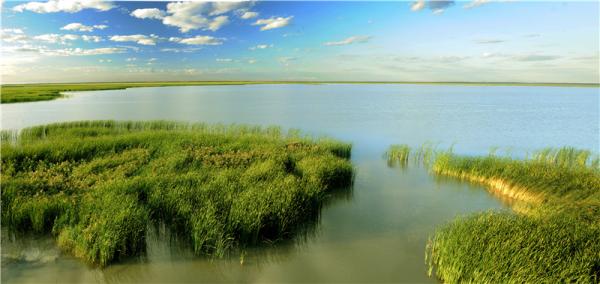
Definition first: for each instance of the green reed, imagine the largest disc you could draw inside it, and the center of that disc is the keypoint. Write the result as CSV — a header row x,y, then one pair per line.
x,y
95,185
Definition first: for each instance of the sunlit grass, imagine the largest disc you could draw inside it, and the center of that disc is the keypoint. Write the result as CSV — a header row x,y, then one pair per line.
x,y
96,185
556,240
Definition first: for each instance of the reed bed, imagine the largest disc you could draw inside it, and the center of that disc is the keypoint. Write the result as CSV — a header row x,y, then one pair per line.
x,y
96,185
556,240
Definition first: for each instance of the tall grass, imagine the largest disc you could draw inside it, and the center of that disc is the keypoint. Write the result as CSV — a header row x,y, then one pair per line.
x,y
95,185
557,240
398,155
496,247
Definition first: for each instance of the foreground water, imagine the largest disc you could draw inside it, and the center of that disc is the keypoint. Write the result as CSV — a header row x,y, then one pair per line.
x,y
374,232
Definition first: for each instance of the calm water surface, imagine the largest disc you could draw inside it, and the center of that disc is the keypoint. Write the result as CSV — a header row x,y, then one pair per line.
x,y
373,232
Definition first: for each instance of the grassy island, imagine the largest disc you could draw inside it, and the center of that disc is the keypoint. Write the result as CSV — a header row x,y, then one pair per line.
x,y
553,238
96,185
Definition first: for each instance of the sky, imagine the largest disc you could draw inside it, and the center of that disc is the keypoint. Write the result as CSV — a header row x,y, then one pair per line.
x,y
476,41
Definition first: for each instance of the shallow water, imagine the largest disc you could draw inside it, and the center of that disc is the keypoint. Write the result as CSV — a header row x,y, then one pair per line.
x,y
374,232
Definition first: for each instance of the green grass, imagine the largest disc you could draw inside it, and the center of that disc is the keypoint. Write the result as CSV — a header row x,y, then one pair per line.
x,y
556,240
96,185
14,93
398,155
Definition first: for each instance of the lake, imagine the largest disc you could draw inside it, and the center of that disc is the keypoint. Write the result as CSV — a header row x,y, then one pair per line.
x,y
375,231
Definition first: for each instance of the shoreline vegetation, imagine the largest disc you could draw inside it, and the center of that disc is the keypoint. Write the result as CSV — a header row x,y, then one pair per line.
x,y
18,93
97,185
554,235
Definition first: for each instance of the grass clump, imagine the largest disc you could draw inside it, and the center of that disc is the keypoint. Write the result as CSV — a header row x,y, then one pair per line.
x,y
398,155
96,185
494,247
556,240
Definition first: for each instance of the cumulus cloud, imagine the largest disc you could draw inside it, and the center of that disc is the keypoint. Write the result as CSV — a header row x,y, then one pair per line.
x,y
56,38
149,13
182,50
218,22
13,36
219,8
436,6
137,38
82,28
197,40
84,52
131,59
91,38
273,23
261,46
248,15
192,15
224,60
350,40
69,6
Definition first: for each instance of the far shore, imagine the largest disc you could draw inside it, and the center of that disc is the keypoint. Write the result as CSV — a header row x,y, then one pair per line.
x,y
16,93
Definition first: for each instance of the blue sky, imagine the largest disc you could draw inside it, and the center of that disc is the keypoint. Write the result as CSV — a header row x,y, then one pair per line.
x,y
90,40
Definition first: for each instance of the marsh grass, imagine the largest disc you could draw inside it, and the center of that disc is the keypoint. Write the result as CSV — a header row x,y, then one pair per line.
x,y
96,185
555,240
398,155
402,154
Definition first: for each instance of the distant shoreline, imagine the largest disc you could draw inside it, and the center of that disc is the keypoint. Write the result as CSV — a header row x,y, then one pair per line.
x,y
235,82
18,93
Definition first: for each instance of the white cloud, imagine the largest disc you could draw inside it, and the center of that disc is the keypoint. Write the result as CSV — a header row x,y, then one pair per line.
x,y
131,59
183,50
139,39
273,23
189,16
56,38
83,52
69,6
436,6
219,8
261,46
197,40
105,60
350,40
12,31
417,5
91,38
252,61
82,28
218,22
249,15
475,3
13,35
149,13
224,60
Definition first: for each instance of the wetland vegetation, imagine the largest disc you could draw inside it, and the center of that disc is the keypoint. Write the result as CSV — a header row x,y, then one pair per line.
x,y
96,185
554,236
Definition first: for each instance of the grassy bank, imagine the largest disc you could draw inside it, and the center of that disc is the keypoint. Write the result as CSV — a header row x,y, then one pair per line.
x,y
14,93
96,185
556,240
